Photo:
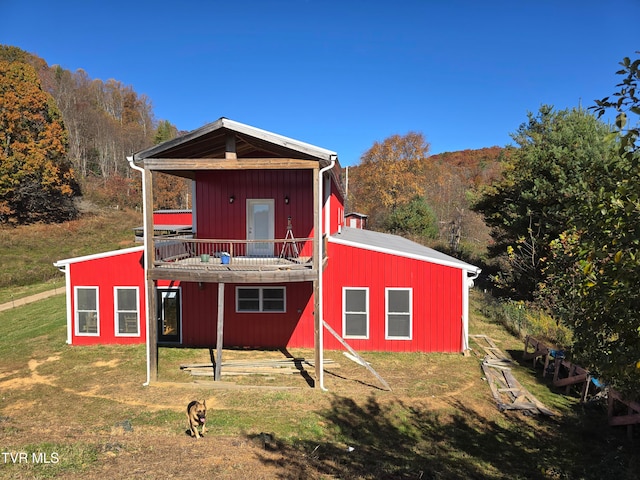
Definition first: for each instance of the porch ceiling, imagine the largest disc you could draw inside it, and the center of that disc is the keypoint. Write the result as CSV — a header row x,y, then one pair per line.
x,y
212,141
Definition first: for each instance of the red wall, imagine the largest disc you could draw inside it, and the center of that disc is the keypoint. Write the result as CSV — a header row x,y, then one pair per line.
x,y
173,218
125,270
437,299
219,219
262,330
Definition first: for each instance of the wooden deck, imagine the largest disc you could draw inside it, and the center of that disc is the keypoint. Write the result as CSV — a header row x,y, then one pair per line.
x,y
233,261
238,270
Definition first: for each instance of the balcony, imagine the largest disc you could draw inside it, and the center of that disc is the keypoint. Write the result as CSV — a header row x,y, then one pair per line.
x,y
233,261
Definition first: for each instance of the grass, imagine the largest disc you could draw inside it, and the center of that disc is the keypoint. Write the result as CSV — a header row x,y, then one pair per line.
x,y
88,406
28,252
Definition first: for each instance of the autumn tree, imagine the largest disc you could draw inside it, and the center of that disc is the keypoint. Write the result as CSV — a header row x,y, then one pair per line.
x,y
389,175
36,180
170,191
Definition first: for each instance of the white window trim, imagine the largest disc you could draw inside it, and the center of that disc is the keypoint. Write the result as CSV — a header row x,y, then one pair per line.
x,y
77,311
386,313
116,318
344,312
261,289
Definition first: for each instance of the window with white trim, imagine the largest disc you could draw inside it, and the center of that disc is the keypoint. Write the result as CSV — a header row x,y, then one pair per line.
x,y
127,318
260,299
87,317
399,313
355,319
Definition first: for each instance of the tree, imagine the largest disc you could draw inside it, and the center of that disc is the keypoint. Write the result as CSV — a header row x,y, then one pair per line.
x,y
389,174
597,263
413,218
170,191
531,206
36,181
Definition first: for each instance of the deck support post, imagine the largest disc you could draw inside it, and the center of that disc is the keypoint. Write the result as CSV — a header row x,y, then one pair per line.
x,y
220,336
152,324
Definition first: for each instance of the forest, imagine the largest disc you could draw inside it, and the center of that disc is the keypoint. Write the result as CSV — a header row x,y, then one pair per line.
x,y
554,219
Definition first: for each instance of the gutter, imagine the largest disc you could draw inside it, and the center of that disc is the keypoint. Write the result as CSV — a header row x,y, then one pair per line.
x,y
146,268
320,229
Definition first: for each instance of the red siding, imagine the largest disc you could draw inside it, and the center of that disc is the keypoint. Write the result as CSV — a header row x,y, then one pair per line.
x,y
219,219
124,270
261,330
172,218
437,299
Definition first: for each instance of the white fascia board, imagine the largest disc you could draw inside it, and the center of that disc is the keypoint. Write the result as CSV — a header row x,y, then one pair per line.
x,y
462,266
95,256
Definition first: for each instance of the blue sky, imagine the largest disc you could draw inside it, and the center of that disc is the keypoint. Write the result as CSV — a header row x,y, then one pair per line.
x,y
341,74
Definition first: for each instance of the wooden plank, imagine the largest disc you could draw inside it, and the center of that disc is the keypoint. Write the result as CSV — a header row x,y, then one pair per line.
x,y
149,254
508,393
355,354
169,164
619,420
219,338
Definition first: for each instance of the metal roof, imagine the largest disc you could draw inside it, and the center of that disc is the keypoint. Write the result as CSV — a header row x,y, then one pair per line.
x,y
396,245
210,140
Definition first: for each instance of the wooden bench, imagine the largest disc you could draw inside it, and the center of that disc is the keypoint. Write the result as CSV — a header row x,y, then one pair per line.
x,y
628,415
567,374
540,352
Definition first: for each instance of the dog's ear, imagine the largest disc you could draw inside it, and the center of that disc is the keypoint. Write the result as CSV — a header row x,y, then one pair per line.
x,y
204,402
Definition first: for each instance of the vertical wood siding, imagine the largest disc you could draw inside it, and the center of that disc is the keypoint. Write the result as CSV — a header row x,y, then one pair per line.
x,y
219,219
259,330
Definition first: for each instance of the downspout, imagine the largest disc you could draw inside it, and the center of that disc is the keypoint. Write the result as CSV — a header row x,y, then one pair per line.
x,y
146,266
67,290
320,229
467,285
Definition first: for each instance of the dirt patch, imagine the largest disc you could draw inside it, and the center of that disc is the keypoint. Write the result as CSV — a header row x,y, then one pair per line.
x,y
111,363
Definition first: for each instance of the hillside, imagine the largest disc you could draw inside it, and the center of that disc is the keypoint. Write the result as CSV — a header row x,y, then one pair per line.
x,y
28,251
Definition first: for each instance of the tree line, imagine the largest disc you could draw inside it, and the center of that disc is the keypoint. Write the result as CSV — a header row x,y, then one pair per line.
x,y
92,124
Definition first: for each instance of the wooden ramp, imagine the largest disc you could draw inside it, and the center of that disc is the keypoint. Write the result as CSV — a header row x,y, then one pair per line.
x,y
508,393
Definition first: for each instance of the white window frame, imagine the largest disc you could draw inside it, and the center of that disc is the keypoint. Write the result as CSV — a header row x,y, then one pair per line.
x,y
77,311
261,290
387,314
345,312
117,311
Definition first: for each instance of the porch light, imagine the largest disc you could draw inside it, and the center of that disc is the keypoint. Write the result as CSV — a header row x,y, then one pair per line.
x,y
286,199
232,199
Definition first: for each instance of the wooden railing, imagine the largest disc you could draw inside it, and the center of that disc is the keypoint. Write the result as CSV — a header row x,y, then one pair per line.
x,y
172,249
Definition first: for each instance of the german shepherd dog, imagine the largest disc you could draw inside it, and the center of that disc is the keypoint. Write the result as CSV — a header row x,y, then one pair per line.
x,y
197,416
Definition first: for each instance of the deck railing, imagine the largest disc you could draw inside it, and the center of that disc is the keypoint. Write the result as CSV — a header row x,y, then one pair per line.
x,y
172,249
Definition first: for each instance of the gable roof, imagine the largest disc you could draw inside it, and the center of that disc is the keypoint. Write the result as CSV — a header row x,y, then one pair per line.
x,y
210,141
397,245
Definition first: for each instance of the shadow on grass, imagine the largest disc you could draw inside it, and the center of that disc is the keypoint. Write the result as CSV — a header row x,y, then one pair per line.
x,y
398,441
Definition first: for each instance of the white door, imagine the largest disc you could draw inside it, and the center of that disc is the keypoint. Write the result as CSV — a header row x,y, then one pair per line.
x,y
260,226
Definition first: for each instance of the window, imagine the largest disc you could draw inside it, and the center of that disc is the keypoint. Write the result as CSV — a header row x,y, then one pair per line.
x,y
260,299
355,323
399,313
87,322
126,311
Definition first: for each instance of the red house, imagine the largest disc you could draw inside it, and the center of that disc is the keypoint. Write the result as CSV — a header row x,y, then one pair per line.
x,y
269,262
